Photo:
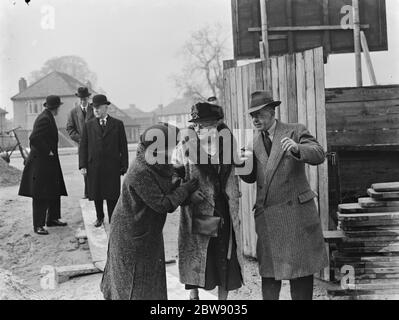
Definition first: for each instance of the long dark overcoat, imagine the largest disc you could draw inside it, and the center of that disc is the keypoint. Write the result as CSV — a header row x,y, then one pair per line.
x,y
135,268
105,155
42,176
76,122
290,239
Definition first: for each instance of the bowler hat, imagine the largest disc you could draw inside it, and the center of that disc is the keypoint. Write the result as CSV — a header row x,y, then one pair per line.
x,y
99,100
204,111
83,92
260,100
52,102
147,137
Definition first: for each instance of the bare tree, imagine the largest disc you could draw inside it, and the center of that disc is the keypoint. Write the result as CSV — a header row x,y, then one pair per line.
x,y
74,66
202,73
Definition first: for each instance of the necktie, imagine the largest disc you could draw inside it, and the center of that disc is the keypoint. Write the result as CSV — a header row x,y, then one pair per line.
x,y
267,142
84,112
102,124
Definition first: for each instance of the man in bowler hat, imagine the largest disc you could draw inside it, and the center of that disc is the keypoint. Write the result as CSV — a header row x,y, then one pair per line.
x,y
290,243
103,157
42,178
77,119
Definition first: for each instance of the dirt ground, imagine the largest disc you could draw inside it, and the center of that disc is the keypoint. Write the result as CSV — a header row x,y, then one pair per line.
x,y
24,253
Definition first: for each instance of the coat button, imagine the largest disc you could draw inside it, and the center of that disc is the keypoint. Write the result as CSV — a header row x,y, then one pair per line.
x,y
290,203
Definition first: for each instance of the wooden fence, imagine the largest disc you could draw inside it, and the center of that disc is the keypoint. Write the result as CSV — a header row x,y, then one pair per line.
x,y
298,81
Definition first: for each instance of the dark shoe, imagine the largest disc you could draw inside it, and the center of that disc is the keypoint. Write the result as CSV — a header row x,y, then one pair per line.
x,y
41,231
56,223
98,223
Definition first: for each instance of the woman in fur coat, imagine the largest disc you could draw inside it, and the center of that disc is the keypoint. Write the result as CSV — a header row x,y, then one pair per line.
x,y
209,261
135,268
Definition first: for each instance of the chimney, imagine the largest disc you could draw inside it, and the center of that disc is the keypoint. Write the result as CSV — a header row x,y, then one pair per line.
x,y
22,84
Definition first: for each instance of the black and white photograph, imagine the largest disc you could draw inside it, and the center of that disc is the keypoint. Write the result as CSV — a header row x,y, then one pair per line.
x,y
200,151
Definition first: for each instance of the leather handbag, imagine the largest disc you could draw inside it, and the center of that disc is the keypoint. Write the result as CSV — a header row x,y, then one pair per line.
x,y
206,225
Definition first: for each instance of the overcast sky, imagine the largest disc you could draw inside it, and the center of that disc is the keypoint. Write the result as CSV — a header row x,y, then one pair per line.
x,y
133,45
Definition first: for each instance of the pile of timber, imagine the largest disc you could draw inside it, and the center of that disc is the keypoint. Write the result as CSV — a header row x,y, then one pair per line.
x,y
367,259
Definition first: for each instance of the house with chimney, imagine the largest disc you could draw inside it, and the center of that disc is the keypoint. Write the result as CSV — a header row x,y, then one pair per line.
x,y
28,104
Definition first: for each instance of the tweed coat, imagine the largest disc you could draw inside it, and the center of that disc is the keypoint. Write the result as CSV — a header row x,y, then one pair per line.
x,y
76,122
290,240
42,176
105,156
135,267
193,247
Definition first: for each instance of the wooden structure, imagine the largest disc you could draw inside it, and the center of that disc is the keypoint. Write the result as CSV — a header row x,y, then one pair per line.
x,y
363,131
298,25
298,81
370,246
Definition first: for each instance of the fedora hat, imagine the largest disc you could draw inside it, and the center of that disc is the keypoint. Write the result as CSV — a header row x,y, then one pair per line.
x,y
52,102
260,100
99,100
204,111
83,92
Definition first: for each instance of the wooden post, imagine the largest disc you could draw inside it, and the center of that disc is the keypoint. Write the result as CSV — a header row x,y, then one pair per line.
x,y
366,52
264,45
356,34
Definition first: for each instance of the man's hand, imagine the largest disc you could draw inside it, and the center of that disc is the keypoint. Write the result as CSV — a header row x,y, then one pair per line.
x,y
83,171
290,145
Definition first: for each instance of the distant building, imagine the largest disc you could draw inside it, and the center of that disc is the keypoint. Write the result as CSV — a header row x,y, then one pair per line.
x,y
140,118
28,103
3,121
176,113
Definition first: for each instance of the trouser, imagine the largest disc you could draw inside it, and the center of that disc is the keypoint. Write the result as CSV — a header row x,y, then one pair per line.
x,y
45,210
301,288
100,208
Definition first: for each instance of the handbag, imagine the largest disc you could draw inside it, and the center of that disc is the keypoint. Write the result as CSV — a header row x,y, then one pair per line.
x,y
207,225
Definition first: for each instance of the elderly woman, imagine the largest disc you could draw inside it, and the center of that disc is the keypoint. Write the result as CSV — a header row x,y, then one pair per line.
x,y
210,248
135,268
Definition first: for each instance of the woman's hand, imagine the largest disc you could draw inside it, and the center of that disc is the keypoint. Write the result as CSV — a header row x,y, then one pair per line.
x,y
191,185
197,197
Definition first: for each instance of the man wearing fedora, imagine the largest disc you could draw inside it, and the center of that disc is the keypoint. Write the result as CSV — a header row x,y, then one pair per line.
x,y
42,178
77,119
103,157
290,242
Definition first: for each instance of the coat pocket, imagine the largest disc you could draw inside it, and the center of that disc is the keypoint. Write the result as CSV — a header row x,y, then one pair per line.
x,y
306,196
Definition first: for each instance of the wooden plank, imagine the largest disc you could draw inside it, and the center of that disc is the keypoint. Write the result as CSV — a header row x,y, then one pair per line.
x,y
383,195
275,83
370,138
371,233
306,28
386,187
301,88
366,51
64,273
373,203
234,98
311,113
227,98
356,208
282,76
291,90
368,216
353,94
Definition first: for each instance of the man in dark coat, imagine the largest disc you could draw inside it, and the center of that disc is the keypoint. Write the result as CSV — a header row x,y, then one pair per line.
x,y
42,178
103,157
290,243
77,119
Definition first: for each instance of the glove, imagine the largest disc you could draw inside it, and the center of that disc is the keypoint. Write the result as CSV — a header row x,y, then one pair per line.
x,y
191,185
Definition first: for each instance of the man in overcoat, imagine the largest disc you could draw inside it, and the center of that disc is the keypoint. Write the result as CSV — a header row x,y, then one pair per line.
x,y
42,178
77,119
290,242
103,157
